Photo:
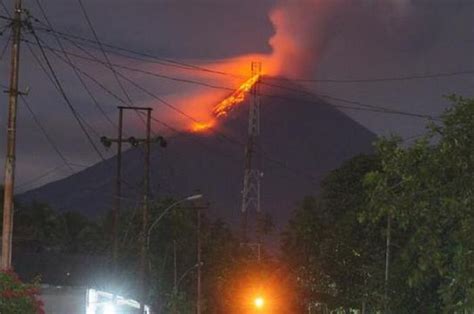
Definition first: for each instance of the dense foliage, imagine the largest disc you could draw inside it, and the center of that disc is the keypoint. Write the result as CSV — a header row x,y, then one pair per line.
x,y
428,190
336,259
336,243
17,297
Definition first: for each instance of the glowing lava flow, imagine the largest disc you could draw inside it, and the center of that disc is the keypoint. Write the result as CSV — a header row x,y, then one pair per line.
x,y
224,107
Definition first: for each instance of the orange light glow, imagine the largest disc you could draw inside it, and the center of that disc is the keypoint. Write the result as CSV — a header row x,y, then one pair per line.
x,y
259,302
223,108
202,126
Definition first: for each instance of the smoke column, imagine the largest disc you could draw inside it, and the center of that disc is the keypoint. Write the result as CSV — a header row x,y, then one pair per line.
x,y
304,28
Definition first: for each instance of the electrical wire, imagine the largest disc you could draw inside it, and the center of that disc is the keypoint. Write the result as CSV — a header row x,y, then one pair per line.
x,y
38,178
158,60
360,106
187,66
106,58
119,99
51,79
45,133
79,77
281,164
230,139
109,63
379,79
116,96
65,97
5,47
373,108
4,7
220,134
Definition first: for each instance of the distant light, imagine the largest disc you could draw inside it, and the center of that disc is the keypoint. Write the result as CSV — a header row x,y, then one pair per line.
x,y
194,197
108,303
109,308
259,302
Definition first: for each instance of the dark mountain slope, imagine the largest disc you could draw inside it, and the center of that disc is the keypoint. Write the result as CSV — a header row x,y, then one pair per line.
x,y
303,138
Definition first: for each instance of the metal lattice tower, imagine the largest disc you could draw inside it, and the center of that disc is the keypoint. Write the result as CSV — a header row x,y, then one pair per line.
x,y
251,189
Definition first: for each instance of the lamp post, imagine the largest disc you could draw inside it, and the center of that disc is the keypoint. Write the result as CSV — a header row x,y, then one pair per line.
x,y
197,265
157,220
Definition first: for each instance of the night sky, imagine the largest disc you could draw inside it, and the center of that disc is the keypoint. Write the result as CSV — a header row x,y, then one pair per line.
x,y
329,40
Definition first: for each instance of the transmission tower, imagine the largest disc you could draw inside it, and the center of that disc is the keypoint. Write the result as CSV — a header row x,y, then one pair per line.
x,y
251,190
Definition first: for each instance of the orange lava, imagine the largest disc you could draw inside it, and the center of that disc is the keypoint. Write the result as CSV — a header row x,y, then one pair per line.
x,y
202,126
223,108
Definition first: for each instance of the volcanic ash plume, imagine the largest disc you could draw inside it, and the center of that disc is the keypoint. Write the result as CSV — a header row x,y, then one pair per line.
x,y
304,28
300,33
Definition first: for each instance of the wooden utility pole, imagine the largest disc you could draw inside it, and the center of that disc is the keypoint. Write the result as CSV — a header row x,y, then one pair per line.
x,y
118,190
107,142
146,191
145,210
9,183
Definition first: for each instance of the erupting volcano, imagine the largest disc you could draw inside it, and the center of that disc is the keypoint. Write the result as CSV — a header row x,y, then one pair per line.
x,y
225,106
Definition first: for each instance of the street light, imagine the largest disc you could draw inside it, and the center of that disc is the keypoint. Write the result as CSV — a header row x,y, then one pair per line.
x,y
197,265
259,302
153,225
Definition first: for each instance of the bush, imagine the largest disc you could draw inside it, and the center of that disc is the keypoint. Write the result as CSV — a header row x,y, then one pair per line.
x,y
17,297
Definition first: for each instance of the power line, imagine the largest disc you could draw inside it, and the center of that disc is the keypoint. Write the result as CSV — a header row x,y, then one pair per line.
x,y
160,60
187,66
65,97
140,88
104,53
51,79
4,7
5,48
107,60
232,140
279,163
235,141
45,133
379,79
124,52
77,70
372,108
361,106
377,108
118,97
88,91
220,134
38,178
149,93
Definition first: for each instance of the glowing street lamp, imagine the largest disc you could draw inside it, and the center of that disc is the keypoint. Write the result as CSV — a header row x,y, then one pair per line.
x,y
259,302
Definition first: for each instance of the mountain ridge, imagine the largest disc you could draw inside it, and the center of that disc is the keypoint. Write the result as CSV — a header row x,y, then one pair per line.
x,y
299,152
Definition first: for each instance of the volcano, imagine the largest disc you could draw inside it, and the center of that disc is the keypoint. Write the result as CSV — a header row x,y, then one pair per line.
x,y
303,138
